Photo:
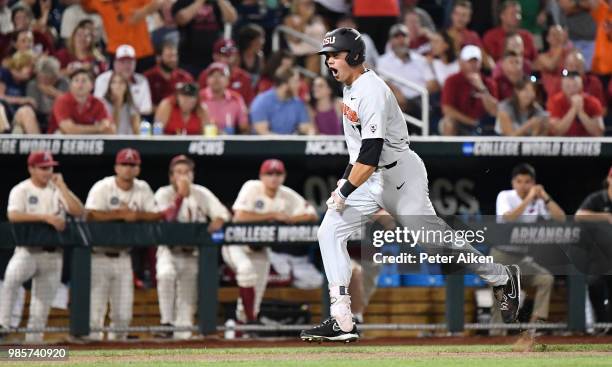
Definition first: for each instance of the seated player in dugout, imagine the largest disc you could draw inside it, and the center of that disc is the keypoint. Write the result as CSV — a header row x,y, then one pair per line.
x,y
177,266
121,197
263,200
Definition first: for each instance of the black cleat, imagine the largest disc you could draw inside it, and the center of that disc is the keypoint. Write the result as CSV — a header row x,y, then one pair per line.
x,y
509,295
164,334
329,331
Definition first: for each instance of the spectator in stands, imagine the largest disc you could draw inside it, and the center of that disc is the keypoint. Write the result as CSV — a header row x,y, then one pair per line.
x,y
24,42
48,85
78,111
182,114
425,20
250,41
279,110
304,20
13,81
574,61
371,53
325,107
166,29
5,124
510,18
550,63
6,25
443,58
125,64
266,14
533,18
277,62
513,44
402,61
460,18
120,106
573,112
125,23
225,107
577,19
467,97
526,203
225,51
419,34
200,24
597,207
375,18
511,73
81,51
73,15
521,114
166,74
602,62
22,18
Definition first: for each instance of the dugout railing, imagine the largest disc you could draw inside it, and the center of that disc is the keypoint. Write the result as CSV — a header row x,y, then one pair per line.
x,y
79,238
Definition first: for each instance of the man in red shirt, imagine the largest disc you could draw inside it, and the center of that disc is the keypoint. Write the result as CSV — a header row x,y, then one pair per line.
x,y
460,18
467,98
511,72
225,51
510,19
574,62
166,74
572,112
78,111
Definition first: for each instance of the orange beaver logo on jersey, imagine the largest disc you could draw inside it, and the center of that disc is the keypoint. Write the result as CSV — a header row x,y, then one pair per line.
x,y
350,114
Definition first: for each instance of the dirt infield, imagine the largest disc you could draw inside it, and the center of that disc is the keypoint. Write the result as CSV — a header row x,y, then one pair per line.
x,y
216,342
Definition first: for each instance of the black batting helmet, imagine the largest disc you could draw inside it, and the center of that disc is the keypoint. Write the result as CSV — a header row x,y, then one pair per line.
x,y
345,39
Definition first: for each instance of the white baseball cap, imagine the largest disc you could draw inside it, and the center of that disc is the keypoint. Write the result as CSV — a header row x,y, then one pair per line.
x,y
470,52
125,52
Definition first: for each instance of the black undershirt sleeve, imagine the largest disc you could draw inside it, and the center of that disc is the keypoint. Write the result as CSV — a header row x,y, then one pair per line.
x,y
347,171
370,151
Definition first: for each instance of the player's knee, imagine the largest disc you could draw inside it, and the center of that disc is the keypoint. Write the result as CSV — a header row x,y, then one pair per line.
x,y
165,274
325,234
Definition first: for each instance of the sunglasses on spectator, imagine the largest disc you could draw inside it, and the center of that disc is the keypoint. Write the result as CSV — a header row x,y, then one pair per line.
x,y
274,173
569,74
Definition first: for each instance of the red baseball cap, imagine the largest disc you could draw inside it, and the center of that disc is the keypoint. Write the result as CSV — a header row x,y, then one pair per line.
x,y
127,156
41,158
225,46
272,166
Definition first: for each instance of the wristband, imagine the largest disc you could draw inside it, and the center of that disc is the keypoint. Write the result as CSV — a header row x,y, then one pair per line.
x,y
346,189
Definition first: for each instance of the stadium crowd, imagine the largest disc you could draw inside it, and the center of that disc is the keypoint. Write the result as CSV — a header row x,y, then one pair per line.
x,y
170,67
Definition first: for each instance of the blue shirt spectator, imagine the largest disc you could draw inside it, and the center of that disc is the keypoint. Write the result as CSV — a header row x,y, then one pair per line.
x,y
279,110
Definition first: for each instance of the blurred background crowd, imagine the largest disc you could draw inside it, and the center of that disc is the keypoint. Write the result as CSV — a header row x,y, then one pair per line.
x,y
491,67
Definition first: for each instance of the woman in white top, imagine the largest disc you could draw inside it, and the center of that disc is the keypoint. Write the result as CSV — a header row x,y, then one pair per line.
x,y
120,105
521,114
443,59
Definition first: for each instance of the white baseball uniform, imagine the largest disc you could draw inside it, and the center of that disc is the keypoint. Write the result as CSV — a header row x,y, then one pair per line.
x,y
42,265
370,111
252,266
111,267
177,266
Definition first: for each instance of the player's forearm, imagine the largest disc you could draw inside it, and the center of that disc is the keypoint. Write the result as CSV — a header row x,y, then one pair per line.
x,y
149,216
360,173
555,211
515,213
584,215
17,217
104,216
304,218
242,216
75,205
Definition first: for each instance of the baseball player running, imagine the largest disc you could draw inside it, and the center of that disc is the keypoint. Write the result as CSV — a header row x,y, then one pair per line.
x,y
263,200
382,173
177,266
121,197
45,198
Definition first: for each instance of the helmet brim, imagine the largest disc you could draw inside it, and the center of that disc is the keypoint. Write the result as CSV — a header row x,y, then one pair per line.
x,y
327,49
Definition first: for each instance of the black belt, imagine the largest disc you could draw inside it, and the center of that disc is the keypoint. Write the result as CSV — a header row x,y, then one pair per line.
x,y
49,249
388,166
184,250
112,254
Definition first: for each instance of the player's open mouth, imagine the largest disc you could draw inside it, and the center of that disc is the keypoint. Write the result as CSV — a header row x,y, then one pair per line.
x,y
334,72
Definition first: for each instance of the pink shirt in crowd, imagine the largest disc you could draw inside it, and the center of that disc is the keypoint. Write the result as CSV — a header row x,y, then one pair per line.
x,y
228,112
